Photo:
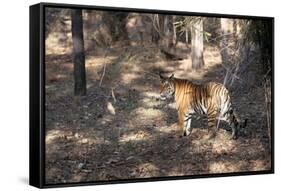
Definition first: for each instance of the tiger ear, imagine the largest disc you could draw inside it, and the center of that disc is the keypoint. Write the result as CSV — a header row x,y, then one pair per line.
x,y
172,76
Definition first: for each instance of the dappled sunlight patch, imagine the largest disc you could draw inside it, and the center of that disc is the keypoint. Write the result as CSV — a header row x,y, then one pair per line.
x,y
199,136
220,166
135,136
67,136
147,170
185,65
94,61
222,148
167,129
172,105
150,113
223,166
191,74
259,165
212,56
57,78
99,140
151,94
150,102
223,143
160,64
219,145
127,78
58,43
130,67
54,134
177,171
150,99
95,64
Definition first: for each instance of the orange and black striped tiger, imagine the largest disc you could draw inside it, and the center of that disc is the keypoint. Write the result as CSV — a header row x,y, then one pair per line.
x,y
211,99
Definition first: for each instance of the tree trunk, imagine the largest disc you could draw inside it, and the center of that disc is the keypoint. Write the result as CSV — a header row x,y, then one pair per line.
x,y
121,23
166,30
197,44
224,42
155,37
186,36
78,52
167,34
175,40
268,103
226,34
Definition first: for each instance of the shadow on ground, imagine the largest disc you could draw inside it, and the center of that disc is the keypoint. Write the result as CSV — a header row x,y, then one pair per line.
x,y
121,131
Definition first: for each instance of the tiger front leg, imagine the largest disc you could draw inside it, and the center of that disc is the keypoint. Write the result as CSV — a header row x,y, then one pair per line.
x,y
234,123
180,124
183,123
212,123
187,125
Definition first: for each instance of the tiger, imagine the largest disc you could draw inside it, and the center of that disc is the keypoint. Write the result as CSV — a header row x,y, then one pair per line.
x,y
211,99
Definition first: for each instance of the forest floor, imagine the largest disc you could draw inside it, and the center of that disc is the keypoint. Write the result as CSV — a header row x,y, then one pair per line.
x,y
121,131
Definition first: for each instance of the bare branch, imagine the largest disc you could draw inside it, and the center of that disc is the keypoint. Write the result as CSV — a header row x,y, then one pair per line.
x,y
157,28
104,67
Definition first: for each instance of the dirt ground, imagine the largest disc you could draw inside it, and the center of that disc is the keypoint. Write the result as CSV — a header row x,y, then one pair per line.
x,y
121,131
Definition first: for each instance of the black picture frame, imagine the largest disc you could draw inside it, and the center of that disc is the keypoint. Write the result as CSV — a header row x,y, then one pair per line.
x,y
37,95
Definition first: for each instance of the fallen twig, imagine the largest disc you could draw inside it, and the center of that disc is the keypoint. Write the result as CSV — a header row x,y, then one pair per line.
x,y
113,95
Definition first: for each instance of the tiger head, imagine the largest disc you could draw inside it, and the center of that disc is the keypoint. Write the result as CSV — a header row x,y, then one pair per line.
x,y
167,87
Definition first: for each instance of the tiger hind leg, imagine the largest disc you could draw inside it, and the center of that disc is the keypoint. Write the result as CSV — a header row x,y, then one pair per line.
x,y
233,122
237,126
234,134
212,124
